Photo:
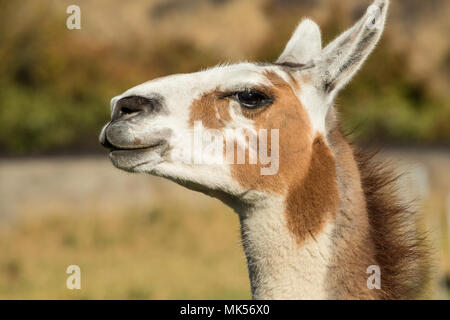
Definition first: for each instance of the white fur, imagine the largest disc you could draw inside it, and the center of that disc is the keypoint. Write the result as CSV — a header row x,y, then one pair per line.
x,y
304,45
282,269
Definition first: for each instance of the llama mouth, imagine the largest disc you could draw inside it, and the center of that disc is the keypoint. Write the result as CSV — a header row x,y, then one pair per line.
x,y
113,148
134,159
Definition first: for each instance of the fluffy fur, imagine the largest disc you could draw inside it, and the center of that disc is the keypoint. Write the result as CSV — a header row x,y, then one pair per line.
x,y
400,248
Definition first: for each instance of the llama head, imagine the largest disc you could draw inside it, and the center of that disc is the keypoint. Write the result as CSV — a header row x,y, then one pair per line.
x,y
244,127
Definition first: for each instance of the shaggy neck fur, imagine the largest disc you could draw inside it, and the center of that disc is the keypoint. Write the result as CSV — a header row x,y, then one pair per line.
x,y
367,228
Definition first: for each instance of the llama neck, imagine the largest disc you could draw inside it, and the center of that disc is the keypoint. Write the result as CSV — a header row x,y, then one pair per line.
x,y
278,267
318,266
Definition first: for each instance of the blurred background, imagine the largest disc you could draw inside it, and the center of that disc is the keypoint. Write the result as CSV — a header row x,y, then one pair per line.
x,y
140,237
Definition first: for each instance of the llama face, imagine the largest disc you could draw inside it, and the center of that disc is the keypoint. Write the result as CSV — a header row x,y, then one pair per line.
x,y
241,127
169,126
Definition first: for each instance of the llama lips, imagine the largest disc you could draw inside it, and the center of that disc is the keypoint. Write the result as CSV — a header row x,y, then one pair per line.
x,y
132,135
146,148
105,142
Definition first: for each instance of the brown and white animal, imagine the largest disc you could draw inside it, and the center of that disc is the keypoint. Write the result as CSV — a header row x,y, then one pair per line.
x,y
313,227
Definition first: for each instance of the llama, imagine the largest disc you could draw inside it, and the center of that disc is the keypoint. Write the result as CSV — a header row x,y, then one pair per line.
x,y
327,215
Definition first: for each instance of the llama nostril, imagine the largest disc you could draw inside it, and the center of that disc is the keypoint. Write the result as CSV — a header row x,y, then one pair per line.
x,y
126,110
132,105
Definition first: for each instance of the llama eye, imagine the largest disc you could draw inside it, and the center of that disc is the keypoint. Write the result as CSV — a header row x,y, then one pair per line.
x,y
252,99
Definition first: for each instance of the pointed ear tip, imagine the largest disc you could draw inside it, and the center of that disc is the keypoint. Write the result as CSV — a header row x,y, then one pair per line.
x,y
304,44
309,24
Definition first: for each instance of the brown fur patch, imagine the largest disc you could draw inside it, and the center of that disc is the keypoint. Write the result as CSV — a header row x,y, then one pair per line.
x,y
295,140
312,201
211,110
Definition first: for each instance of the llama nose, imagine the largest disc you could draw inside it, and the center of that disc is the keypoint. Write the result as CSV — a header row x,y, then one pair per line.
x,y
130,106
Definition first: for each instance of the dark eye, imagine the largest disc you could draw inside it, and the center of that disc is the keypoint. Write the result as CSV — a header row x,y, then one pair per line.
x,y
252,99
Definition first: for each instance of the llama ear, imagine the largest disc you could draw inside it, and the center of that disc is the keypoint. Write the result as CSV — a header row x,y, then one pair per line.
x,y
304,45
343,57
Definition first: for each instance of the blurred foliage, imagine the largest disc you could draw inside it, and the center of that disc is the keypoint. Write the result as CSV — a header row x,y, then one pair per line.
x,y
389,106
55,84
